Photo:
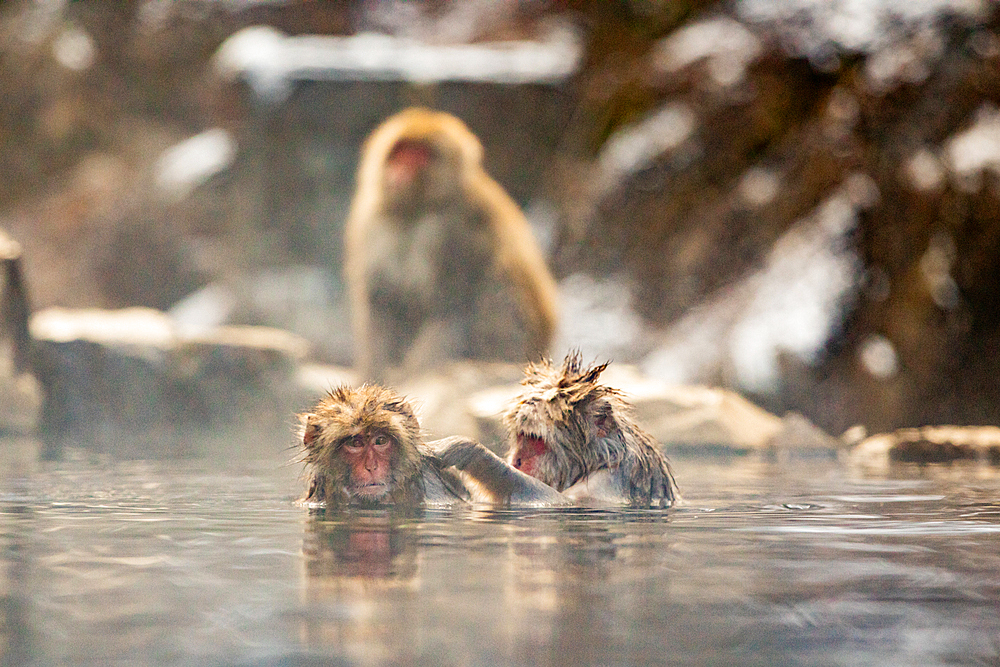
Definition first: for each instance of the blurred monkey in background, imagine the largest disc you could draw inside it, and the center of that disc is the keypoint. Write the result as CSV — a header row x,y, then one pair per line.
x,y
440,262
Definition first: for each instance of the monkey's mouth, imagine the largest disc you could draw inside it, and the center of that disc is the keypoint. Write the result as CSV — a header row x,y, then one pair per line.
x,y
372,490
529,447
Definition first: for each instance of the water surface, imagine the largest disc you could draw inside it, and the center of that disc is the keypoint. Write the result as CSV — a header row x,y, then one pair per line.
x,y
204,563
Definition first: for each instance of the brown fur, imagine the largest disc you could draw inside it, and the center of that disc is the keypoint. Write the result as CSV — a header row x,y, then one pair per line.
x,y
420,473
444,265
586,427
417,477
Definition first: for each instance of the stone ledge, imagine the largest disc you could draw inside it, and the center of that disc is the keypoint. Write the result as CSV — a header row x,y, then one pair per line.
x,y
130,383
929,444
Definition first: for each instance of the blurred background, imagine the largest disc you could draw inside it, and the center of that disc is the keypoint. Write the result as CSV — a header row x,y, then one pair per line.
x,y
794,199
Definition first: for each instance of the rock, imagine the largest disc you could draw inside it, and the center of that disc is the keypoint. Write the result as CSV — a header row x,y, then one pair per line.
x,y
317,379
929,444
486,408
131,383
799,433
305,300
20,393
685,417
15,342
444,400
20,403
469,398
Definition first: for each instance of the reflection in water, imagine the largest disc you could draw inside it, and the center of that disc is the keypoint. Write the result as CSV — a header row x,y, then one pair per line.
x,y
533,585
767,563
15,629
588,570
349,559
361,544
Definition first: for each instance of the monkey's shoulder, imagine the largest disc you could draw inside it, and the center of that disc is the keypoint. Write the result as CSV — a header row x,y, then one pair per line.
x,y
317,489
642,479
649,477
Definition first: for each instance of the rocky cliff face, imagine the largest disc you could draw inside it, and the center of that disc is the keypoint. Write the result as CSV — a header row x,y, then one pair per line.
x,y
816,222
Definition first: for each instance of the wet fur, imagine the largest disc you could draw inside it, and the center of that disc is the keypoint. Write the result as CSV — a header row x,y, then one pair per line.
x,y
588,427
417,476
421,472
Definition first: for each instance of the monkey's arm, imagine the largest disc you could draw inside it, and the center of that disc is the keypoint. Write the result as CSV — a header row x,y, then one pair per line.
x,y
502,481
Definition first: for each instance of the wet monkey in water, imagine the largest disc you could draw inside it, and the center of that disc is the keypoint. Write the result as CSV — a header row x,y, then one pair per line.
x,y
363,447
579,437
440,263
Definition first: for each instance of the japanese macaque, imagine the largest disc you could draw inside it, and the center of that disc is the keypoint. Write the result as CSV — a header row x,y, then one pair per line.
x,y
363,447
580,438
440,262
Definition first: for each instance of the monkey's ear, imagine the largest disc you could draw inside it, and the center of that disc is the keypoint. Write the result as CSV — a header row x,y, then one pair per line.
x,y
310,430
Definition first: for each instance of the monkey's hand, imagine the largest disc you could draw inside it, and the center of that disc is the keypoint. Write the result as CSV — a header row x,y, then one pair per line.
x,y
503,482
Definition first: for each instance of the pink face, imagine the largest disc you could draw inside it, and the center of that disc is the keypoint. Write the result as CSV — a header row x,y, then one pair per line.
x,y
369,462
407,159
526,454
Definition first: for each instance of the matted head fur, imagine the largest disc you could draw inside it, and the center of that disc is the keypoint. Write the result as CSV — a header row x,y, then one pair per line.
x,y
566,425
345,413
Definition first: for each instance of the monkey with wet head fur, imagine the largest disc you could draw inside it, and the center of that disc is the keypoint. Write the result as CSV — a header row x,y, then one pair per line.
x,y
363,447
440,263
580,438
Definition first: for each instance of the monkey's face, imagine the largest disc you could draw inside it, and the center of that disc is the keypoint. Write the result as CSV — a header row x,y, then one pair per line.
x,y
368,458
562,424
540,425
363,442
421,171
407,163
417,159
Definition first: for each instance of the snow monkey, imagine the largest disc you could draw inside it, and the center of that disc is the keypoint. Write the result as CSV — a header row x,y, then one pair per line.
x,y
579,437
363,447
440,263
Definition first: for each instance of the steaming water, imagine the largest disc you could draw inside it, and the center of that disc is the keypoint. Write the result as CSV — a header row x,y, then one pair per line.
x,y
194,563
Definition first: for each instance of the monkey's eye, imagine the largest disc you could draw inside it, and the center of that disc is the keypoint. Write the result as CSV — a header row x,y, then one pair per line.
x,y
354,445
382,440
603,424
